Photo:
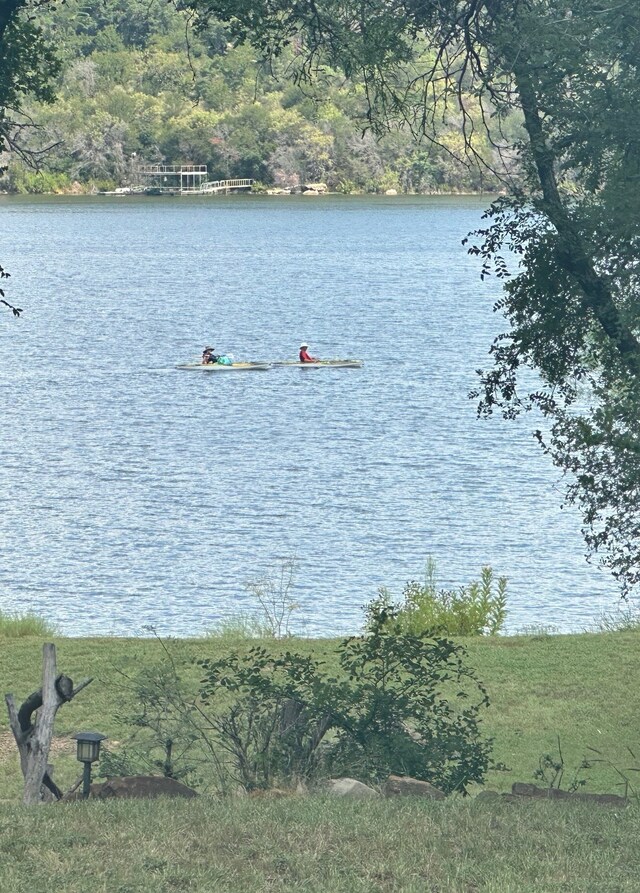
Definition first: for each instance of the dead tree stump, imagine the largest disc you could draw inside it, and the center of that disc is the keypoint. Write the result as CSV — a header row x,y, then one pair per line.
x,y
34,739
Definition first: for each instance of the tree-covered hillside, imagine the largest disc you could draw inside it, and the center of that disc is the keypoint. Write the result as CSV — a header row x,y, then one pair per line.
x,y
139,84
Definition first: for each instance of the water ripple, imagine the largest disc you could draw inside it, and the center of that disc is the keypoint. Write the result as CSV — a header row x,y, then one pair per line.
x,y
133,494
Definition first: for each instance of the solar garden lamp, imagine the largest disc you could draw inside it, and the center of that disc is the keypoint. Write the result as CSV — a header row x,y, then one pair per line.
x,y
88,752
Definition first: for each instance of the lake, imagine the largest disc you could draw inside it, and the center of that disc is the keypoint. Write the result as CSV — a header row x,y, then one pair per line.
x,y
135,495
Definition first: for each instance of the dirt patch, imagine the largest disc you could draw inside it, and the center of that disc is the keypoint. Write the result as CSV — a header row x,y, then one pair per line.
x,y
60,744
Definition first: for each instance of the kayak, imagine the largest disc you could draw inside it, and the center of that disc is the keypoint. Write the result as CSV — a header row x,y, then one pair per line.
x,y
331,364
221,367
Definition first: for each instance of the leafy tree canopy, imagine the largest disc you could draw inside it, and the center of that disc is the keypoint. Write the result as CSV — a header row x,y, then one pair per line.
x,y
137,71
27,64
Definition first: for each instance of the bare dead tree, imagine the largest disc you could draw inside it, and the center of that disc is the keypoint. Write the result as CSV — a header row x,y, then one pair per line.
x,y
34,738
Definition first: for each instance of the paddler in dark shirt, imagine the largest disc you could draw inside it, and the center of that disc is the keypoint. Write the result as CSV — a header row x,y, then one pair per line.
x,y
208,356
304,356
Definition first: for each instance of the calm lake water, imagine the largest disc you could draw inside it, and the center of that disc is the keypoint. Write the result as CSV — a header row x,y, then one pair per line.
x,y
134,494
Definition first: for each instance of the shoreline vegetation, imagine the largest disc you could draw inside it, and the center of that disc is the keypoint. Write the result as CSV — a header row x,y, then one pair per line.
x,y
562,712
138,87
82,190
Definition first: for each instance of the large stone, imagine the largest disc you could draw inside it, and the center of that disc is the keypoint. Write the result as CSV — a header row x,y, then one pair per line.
x,y
349,787
522,789
405,786
487,796
142,787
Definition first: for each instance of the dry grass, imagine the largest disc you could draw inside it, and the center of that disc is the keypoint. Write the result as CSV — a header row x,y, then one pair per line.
x,y
318,845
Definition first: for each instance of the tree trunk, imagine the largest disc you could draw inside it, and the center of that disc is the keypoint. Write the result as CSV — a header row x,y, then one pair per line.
x,y
34,740
8,11
597,297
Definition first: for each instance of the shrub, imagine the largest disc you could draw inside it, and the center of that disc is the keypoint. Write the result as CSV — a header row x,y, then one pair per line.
x,y
270,714
275,605
403,703
275,599
413,707
16,625
160,724
476,609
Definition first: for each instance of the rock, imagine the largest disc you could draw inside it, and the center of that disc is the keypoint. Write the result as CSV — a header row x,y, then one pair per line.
x,y
140,787
404,786
349,787
314,188
521,789
603,799
391,192
489,796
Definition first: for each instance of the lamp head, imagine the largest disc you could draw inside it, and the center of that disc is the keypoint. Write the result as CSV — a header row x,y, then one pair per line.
x,y
88,746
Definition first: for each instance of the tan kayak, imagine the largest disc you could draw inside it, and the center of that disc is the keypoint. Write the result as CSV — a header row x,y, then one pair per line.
x,y
221,367
322,364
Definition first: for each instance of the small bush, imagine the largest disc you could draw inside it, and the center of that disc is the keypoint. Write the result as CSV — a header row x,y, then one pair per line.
x,y
240,626
551,771
16,625
413,707
268,714
402,703
275,599
271,619
159,722
477,609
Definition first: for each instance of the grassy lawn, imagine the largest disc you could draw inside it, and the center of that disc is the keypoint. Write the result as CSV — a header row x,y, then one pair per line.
x,y
316,845
583,688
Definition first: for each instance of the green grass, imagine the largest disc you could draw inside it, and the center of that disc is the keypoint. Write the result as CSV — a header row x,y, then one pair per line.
x,y
583,688
317,845
18,625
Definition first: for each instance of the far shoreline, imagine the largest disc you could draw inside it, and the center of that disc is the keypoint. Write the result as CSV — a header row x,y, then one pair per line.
x,y
260,193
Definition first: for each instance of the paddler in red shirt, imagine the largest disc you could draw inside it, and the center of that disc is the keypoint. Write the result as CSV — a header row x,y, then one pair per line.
x,y
304,356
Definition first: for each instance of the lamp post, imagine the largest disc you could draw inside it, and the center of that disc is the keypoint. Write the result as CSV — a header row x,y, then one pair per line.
x,y
88,752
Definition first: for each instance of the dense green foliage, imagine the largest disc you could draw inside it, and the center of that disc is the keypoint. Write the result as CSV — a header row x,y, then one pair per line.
x,y
27,67
138,84
477,609
28,64
400,703
580,687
